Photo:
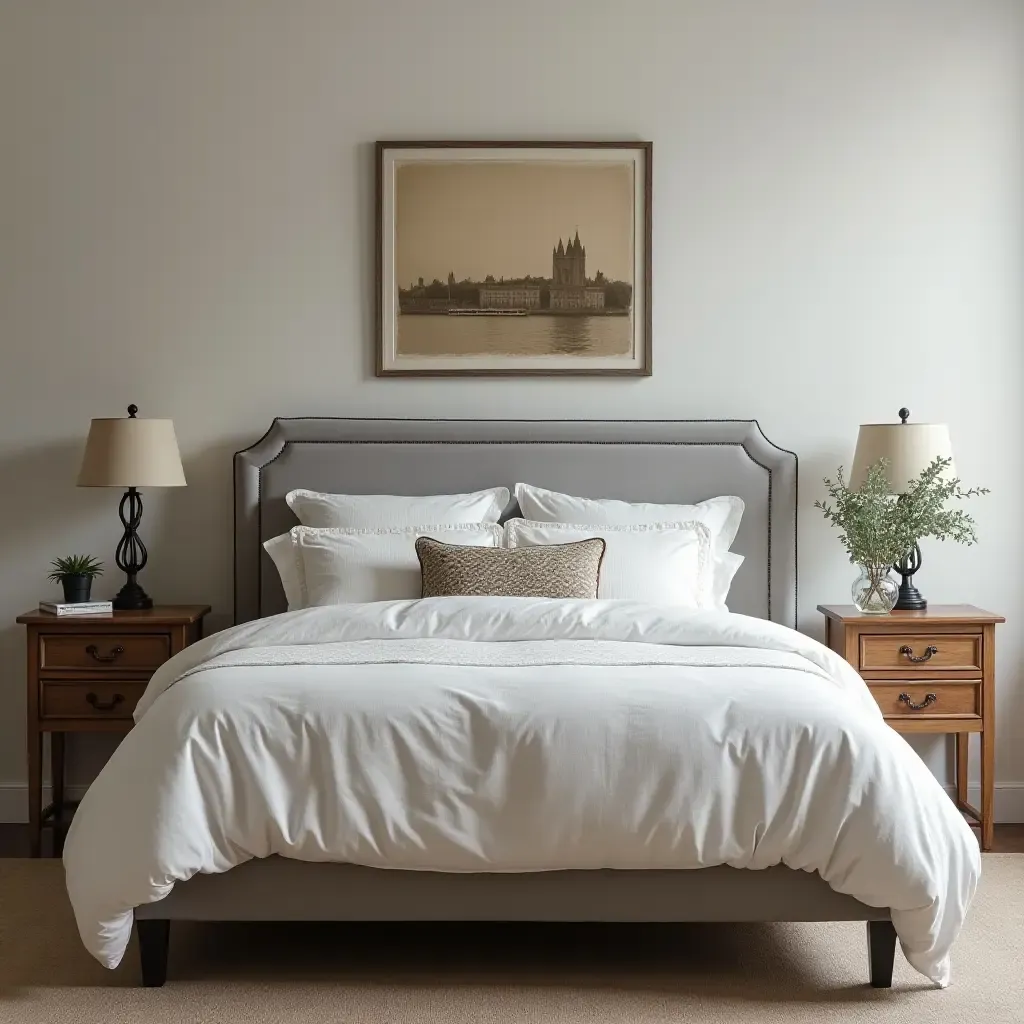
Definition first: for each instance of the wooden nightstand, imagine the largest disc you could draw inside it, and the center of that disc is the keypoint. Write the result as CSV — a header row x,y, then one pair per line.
x,y
930,671
86,674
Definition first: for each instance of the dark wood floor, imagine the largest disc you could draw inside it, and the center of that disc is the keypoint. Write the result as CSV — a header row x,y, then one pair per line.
x,y
14,840
1009,839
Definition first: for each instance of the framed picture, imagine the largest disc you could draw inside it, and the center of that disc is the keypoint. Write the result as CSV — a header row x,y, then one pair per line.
x,y
513,258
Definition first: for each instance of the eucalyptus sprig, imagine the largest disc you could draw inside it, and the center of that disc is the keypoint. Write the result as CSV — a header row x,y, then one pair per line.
x,y
879,529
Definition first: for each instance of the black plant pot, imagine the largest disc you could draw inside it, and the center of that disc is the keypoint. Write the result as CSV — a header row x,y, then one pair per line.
x,y
76,588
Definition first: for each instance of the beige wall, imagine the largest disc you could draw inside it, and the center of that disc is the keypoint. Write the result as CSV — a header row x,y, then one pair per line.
x,y
186,207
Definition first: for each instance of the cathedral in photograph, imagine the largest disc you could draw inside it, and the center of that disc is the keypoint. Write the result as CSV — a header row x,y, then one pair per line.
x,y
569,288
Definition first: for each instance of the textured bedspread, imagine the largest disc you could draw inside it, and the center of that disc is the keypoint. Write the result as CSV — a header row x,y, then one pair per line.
x,y
475,734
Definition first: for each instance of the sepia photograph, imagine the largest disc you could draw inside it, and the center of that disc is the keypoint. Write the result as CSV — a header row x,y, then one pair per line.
x,y
509,259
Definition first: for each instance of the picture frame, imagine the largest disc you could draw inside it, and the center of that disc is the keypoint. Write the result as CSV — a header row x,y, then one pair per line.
x,y
513,259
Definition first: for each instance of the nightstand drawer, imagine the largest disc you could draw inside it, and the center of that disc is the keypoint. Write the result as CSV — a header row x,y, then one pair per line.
x,y
921,652
928,700
99,699
103,653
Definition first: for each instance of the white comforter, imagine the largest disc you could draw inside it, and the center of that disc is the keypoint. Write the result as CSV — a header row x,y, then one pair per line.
x,y
507,734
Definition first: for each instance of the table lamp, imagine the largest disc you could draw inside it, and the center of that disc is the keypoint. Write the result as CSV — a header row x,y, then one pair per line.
x,y
131,453
910,448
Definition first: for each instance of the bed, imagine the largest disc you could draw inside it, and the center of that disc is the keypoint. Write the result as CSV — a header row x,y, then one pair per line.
x,y
659,461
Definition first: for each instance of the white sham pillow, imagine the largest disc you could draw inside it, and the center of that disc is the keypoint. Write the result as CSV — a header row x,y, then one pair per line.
x,y
664,563
347,566
372,511
724,567
285,556
720,515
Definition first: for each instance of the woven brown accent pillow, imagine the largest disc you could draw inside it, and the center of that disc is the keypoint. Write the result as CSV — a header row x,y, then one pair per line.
x,y
549,570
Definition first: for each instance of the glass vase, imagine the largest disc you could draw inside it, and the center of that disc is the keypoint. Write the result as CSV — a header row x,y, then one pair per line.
x,y
874,591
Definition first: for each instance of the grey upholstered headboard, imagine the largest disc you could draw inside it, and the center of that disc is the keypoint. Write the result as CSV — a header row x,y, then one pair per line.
x,y
651,460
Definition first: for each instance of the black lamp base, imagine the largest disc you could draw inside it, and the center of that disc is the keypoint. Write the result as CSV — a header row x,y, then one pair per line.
x,y
131,555
132,598
909,598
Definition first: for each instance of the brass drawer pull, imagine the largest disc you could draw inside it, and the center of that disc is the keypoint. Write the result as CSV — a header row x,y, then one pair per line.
x,y
115,653
118,698
929,698
908,652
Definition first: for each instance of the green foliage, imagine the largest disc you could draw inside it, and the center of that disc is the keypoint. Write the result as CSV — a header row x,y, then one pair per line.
x,y
75,565
879,529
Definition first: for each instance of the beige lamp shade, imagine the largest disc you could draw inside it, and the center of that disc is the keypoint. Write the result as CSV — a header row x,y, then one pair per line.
x,y
909,447
131,452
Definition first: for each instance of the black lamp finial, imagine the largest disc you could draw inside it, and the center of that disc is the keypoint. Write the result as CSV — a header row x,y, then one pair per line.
x,y
133,409
904,415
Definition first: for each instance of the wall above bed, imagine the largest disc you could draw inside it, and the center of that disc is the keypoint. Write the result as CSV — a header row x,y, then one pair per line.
x,y
187,206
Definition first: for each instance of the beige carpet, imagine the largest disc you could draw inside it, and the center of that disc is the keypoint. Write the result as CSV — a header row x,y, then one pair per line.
x,y
598,974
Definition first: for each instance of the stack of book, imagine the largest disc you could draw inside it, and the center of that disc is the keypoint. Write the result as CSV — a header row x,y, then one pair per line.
x,y
81,608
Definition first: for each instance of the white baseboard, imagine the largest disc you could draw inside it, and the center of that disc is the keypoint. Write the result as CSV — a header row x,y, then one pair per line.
x,y
14,800
1009,801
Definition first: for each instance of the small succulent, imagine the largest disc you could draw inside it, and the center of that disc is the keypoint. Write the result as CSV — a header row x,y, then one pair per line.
x,y
75,565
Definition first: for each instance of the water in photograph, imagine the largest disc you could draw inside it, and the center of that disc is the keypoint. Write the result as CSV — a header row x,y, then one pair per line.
x,y
534,335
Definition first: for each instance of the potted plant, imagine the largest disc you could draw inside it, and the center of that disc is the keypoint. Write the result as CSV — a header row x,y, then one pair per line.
x,y
879,529
75,574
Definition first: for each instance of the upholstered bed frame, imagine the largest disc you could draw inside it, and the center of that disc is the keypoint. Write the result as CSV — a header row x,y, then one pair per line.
x,y
662,461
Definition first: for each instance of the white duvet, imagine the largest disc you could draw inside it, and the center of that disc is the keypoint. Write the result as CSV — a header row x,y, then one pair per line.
x,y
513,734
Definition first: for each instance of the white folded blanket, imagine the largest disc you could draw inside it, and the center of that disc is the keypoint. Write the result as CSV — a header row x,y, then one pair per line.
x,y
515,734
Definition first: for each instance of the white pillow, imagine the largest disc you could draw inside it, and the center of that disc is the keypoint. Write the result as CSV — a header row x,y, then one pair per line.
x,y
720,515
724,567
285,556
346,566
372,511
665,563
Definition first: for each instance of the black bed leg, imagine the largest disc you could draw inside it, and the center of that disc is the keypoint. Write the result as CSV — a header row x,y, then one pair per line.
x,y
154,940
881,952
